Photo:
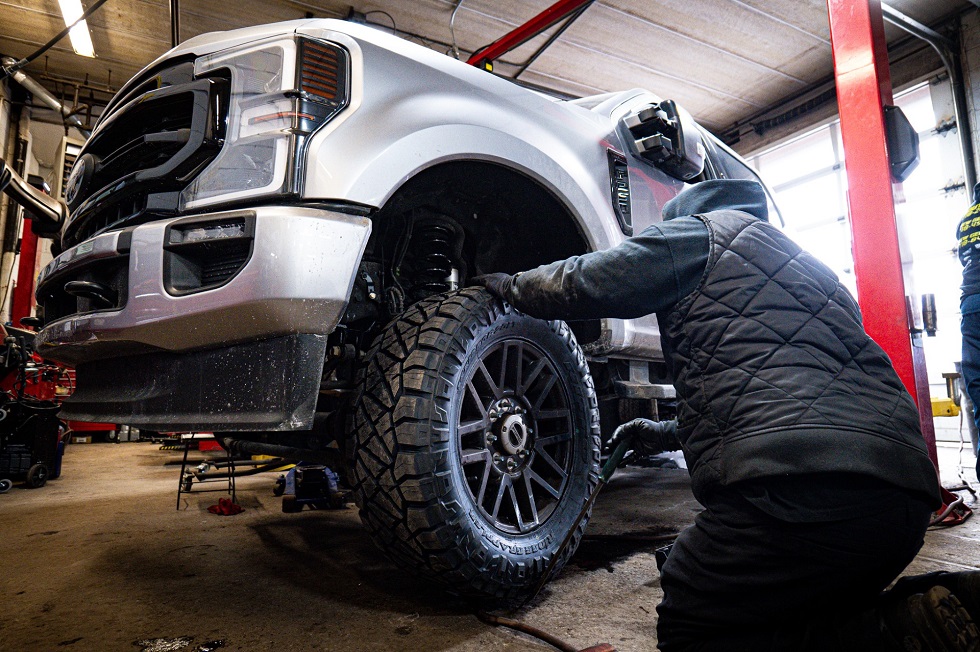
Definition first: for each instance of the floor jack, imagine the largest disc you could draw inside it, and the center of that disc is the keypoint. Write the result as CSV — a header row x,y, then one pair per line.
x,y
310,484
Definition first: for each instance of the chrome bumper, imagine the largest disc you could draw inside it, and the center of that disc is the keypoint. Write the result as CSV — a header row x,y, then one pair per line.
x,y
297,280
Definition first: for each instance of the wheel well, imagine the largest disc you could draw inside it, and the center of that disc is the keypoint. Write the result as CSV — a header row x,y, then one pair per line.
x,y
508,221
463,218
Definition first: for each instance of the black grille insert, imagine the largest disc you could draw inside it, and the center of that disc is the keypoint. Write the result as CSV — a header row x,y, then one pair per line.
x,y
154,144
111,273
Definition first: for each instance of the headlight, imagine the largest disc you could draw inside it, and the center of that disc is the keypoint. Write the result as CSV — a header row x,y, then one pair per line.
x,y
281,92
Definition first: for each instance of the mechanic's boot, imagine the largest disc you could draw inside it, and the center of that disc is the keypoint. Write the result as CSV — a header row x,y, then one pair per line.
x,y
964,585
934,621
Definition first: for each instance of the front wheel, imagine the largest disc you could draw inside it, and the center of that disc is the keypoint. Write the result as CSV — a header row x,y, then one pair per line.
x,y
475,443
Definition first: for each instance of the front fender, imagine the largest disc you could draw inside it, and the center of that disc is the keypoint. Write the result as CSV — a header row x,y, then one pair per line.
x,y
373,180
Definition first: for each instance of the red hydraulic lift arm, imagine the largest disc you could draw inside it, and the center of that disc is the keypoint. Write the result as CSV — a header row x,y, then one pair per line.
x,y
857,34
519,35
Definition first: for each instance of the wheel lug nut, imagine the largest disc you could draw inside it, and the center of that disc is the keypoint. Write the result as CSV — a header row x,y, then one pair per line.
x,y
497,458
511,464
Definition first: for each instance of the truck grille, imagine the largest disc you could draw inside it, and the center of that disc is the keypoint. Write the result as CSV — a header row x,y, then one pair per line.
x,y
148,147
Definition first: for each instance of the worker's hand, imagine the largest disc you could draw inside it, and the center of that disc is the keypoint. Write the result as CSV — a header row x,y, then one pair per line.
x,y
646,437
498,284
637,432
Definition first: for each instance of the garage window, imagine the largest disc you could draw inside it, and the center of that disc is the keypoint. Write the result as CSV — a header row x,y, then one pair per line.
x,y
809,183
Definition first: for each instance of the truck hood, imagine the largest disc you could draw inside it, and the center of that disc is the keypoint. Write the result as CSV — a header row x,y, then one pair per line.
x,y
215,41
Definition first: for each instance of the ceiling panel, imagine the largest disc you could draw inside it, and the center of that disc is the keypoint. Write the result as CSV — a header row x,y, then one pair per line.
x,y
723,60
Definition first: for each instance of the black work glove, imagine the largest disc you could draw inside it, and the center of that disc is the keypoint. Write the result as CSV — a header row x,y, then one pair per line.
x,y
498,284
646,437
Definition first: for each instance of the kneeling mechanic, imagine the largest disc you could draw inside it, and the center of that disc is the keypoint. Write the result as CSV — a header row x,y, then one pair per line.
x,y
803,445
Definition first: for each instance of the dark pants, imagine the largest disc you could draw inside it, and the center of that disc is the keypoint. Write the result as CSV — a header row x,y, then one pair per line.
x,y
970,329
739,579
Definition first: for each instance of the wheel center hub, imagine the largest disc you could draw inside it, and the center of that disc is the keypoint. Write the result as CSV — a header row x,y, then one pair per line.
x,y
511,438
513,434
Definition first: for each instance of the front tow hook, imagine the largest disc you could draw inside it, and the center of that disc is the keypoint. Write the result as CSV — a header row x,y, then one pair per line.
x,y
103,295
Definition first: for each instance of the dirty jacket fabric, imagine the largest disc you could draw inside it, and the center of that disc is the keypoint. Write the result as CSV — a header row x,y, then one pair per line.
x,y
774,373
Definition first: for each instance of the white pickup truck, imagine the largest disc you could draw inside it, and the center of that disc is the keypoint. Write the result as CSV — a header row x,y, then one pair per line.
x,y
269,234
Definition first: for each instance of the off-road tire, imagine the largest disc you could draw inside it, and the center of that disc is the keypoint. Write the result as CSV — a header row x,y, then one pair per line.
x,y
410,479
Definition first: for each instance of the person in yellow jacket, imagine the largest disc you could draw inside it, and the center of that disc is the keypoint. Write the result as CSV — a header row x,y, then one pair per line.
x,y
968,235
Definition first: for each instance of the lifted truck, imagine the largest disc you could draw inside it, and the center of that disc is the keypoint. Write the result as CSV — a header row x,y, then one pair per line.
x,y
269,234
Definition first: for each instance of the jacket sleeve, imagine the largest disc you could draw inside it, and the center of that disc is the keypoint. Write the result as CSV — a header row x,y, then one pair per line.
x,y
642,275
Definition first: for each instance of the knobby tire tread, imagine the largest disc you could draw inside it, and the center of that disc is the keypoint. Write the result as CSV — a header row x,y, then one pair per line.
x,y
404,495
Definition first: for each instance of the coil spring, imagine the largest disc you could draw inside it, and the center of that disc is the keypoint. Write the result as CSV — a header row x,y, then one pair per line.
x,y
433,258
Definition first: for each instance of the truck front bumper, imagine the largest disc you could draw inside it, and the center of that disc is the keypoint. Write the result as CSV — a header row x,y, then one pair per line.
x,y
153,358
296,280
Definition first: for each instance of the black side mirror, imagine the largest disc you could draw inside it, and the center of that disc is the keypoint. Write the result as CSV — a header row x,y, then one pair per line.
x,y
46,213
903,143
666,135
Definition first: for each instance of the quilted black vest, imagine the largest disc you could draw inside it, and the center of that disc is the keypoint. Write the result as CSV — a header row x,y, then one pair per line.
x,y
775,374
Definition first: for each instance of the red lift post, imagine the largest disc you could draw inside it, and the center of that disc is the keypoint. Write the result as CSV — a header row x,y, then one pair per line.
x,y
863,88
23,295
23,303
857,34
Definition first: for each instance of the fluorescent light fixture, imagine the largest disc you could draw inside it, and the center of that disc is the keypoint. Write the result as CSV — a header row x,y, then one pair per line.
x,y
81,41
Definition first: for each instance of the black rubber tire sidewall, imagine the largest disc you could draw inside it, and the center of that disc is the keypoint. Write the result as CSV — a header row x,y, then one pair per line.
x,y
405,459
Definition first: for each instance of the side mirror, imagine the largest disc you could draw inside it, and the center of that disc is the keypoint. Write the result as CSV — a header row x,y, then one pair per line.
x,y
666,135
903,143
46,213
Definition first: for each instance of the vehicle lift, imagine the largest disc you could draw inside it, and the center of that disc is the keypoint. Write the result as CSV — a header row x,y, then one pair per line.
x,y
857,34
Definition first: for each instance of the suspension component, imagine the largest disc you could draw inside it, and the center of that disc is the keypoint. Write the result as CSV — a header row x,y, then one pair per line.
x,y
433,244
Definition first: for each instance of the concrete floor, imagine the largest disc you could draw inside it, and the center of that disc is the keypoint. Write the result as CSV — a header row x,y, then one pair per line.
x,y
101,560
